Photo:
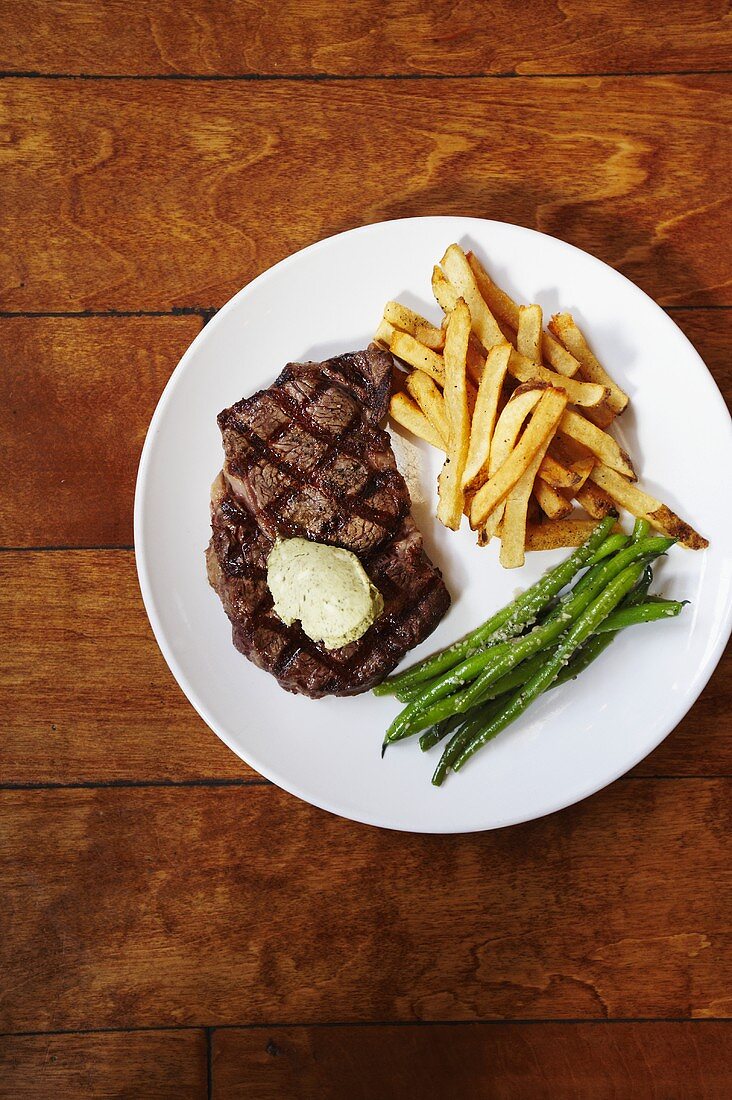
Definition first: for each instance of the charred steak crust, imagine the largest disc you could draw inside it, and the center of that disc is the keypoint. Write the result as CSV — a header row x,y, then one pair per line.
x,y
306,458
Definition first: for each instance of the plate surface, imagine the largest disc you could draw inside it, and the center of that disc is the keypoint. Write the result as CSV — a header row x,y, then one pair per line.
x,y
328,299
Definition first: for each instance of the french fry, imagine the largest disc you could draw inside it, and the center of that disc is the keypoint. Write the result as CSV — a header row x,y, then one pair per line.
x,y
408,414
513,524
508,426
565,329
499,302
602,414
534,513
528,336
383,334
601,444
457,269
506,311
449,485
408,349
558,533
579,393
583,468
521,418
558,475
568,450
541,427
643,505
405,319
595,502
431,402
447,296
484,415
443,290
552,503
475,360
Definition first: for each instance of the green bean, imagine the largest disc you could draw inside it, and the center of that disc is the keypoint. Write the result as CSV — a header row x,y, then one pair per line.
x,y
579,632
581,660
506,621
473,723
599,642
527,668
611,545
489,665
437,733
516,676
449,683
647,612
641,527
406,694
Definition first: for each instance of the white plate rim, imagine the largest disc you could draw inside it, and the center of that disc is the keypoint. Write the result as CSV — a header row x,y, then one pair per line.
x,y
147,587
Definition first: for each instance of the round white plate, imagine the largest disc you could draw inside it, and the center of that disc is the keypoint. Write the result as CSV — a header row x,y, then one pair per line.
x,y
328,299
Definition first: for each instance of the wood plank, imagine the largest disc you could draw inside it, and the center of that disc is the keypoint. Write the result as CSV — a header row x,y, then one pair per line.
x,y
147,195
503,1061
84,692
153,1063
128,906
70,717
216,36
67,369
76,396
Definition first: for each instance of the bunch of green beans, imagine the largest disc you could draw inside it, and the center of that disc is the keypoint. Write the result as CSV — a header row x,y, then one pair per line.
x,y
463,686
588,653
505,623
478,686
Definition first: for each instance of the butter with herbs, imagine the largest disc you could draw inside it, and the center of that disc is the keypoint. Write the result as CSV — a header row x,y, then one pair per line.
x,y
325,587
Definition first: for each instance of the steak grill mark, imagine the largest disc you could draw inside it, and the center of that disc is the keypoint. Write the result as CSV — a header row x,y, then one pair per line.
x,y
352,393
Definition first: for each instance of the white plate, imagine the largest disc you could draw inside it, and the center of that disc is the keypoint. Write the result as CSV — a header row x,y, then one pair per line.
x,y
328,299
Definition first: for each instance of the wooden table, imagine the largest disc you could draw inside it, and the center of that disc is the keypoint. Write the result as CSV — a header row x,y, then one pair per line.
x,y
172,924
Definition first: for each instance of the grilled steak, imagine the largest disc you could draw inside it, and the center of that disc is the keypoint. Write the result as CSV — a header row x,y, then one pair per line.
x,y
307,458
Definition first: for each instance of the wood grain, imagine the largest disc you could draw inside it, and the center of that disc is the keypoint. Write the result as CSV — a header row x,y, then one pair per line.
x,y
98,380
128,907
550,1061
86,696
84,692
77,395
148,195
160,1064
219,37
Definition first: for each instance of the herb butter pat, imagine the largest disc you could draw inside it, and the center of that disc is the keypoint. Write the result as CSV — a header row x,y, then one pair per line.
x,y
325,587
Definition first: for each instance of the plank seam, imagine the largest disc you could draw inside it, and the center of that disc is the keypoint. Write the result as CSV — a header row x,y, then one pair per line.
x,y
62,549
209,1065
125,784
175,311
32,74
524,1022
207,312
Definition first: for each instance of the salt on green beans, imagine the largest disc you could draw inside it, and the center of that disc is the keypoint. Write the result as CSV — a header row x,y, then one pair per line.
x,y
449,694
580,660
641,527
579,632
587,654
474,699
648,612
507,621
601,639
611,545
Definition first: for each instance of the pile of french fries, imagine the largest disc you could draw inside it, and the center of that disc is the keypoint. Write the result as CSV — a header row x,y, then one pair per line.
x,y
521,413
